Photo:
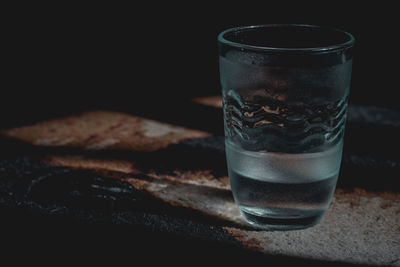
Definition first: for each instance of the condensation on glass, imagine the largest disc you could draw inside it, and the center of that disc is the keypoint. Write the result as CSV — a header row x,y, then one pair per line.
x,y
285,90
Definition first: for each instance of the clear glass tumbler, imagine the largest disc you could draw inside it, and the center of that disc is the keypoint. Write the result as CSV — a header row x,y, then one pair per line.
x,y
285,90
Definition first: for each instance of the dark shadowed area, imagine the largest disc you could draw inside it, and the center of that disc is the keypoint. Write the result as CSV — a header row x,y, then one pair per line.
x,y
64,59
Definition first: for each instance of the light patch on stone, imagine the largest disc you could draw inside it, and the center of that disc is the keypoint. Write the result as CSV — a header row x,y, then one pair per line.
x,y
199,198
215,183
155,129
80,162
346,233
212,101
64,141
103,129
49,141
53,141
197,177
103,144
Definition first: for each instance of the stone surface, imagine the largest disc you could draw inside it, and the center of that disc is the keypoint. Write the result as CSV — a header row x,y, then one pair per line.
x,y
118,168
99,130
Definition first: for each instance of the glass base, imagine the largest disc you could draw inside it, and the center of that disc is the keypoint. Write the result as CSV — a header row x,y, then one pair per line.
x,y
282,220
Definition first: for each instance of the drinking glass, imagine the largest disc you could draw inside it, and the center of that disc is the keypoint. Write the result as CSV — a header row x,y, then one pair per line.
x,y
285,90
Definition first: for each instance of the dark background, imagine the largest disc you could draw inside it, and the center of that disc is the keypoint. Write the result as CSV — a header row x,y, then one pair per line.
x,y
62,59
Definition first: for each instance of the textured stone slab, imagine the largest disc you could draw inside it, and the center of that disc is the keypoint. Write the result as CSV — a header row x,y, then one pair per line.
x,y
99,130
185,169
360,226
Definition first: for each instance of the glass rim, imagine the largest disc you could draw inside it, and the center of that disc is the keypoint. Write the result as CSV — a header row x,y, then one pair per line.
x,y
321,49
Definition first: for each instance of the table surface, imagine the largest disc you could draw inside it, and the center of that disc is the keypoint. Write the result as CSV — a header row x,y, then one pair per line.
x,y
169,176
